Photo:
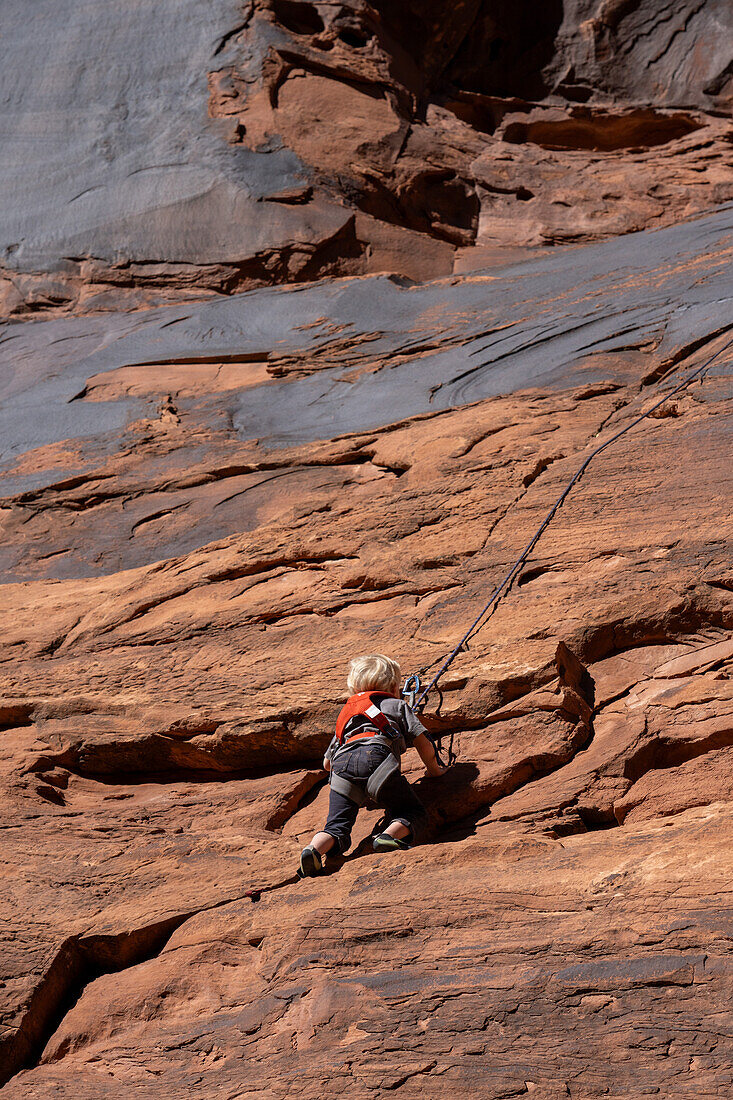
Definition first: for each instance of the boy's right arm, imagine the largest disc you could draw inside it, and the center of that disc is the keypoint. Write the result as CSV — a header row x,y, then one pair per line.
x,y
426,751
330,752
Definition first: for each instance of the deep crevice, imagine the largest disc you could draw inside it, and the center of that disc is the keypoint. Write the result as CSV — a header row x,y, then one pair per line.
x,y
595,819
15,716
659,754
79,961
152,759
599,131
297,16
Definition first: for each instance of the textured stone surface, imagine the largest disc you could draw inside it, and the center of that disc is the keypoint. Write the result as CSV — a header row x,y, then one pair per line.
x,y
608,976
205,148
181,601
206,507
550,322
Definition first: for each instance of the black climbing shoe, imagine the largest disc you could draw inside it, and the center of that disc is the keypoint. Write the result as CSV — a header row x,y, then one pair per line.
x,y
311,864
383,842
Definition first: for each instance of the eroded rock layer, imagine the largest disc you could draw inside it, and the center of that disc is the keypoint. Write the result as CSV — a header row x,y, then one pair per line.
x,y
207,509
209,147
207,505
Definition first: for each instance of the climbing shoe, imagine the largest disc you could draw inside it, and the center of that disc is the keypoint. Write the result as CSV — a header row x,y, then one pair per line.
x,y
383,842
311,863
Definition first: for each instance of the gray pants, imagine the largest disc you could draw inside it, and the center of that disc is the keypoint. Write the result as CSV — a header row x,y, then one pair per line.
x,y
397,797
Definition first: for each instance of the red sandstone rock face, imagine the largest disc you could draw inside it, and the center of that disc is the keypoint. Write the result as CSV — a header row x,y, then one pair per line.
x,y
492,128
208,508
365,137
564,930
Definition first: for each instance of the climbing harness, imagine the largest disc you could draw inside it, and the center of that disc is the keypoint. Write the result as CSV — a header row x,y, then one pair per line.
x,y
414,692
361,719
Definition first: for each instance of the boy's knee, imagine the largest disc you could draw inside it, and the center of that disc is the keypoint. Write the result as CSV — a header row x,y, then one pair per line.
x,y
419,825
415,825
342,840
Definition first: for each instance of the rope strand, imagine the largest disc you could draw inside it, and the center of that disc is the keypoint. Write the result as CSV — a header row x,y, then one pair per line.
x,y
504,584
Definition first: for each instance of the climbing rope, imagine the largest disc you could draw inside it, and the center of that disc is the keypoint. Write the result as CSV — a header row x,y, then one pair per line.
x,y
413,690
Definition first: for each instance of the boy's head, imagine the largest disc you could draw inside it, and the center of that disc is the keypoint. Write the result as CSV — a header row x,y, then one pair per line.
x,y
374,673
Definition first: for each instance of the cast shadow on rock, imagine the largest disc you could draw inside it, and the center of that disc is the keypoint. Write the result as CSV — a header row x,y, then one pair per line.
x,y
447,788
442,797
431,789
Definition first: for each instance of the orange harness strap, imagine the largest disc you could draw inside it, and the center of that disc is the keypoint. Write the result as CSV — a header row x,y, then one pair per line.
x,y
365,704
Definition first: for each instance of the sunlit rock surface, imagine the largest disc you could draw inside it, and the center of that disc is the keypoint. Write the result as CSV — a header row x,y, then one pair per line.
x,y
178,147
207,506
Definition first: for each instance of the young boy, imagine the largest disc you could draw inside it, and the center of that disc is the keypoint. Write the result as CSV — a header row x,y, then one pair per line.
x,y
373,730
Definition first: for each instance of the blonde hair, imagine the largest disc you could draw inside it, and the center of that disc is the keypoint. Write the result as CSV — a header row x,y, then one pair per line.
x,y
373,673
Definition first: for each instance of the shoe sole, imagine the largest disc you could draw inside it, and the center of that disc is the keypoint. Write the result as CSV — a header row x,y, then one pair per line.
x,y
308,866
389,846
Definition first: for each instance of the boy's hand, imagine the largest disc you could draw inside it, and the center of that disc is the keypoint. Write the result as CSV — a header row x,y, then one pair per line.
x,y
428,755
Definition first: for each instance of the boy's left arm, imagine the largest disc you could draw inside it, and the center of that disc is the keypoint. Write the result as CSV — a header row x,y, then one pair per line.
x,y
428,755
423,742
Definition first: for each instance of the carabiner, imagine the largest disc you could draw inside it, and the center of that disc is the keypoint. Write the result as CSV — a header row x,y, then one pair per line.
x,y
411,690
